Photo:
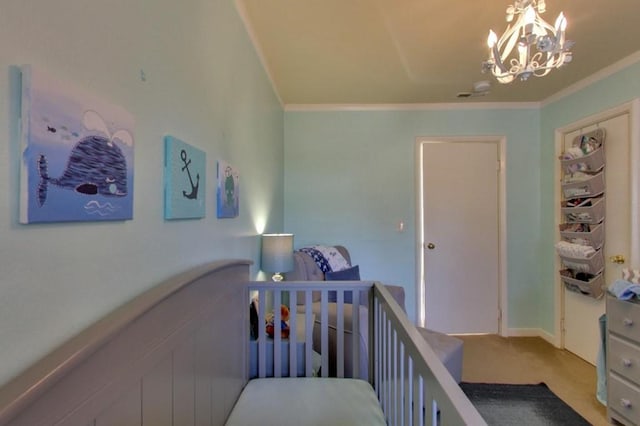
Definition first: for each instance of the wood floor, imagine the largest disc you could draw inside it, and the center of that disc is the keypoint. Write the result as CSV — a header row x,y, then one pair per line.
x,y
495,359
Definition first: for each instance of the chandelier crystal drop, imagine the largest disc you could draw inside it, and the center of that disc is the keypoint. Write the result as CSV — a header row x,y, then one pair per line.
x,y
529,46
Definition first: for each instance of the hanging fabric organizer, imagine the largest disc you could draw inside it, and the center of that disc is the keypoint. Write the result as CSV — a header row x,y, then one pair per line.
x,y
583,214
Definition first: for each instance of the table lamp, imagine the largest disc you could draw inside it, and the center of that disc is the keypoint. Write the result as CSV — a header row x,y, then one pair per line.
x,y
277,254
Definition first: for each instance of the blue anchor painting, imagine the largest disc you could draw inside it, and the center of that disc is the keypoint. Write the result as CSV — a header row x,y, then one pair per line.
x,y
77,159
193,194
184,177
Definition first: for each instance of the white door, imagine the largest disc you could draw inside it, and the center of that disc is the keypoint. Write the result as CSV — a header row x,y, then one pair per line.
x,y
461,236
582,313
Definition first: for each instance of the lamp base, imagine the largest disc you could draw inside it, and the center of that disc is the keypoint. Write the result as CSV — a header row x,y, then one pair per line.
x,y
277,277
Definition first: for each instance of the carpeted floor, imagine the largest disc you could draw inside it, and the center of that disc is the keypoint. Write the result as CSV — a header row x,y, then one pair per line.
x,y
495,359
522,405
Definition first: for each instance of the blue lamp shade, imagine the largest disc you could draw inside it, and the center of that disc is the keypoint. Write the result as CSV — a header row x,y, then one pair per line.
x,y
277,254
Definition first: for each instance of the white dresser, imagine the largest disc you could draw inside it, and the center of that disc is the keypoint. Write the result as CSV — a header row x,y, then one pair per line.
x,y
623,361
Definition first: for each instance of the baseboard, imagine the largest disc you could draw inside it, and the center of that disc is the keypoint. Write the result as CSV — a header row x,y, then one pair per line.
x,y
533,332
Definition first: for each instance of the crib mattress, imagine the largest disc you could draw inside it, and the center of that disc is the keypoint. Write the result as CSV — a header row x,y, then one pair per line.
x,y
308,402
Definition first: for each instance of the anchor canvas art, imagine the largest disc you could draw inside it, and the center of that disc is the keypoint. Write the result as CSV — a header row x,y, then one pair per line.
x,y
77,154
228,191
184,173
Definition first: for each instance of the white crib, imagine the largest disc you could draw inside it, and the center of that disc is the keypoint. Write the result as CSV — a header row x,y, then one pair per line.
x,y
410,383
179,354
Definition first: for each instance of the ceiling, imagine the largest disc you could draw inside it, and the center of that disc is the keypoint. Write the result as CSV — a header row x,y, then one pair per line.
x,y
420,51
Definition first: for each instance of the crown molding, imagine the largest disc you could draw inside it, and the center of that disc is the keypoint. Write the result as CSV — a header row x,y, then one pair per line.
x,y
593,78
410,107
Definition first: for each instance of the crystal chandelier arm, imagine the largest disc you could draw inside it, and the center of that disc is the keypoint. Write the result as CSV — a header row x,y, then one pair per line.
x,y
510,37
543,27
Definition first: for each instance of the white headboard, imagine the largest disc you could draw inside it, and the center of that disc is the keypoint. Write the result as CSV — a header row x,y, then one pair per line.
x,y
153,359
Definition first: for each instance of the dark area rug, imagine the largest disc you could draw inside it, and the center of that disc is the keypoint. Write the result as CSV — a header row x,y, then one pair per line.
x,y
522,405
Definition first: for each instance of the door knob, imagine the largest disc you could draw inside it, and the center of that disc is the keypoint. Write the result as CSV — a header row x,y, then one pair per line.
x,y
618,258
431,246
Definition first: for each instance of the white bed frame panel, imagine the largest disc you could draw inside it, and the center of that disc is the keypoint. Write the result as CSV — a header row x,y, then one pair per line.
x,y
155,361
178,354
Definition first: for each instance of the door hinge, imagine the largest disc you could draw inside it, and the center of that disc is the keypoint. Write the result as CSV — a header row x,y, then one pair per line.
x,y
498,165
499,314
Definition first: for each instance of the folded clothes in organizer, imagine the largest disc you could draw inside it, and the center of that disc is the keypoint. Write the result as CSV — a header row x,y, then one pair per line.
x,y
583,216
576,192
576,251
577,267
580,276
572,153
624,290
579,241
576,177
591,142
578,202
575,227
573,230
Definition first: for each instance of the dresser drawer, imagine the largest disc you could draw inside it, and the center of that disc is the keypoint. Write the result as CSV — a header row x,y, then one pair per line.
x,y
623,318
624,398
624,358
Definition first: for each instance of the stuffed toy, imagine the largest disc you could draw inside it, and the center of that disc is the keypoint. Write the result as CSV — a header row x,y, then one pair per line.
x,y
284,322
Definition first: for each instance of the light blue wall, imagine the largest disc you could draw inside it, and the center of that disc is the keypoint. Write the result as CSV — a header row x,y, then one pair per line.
x,y
204,85
605,94
350,178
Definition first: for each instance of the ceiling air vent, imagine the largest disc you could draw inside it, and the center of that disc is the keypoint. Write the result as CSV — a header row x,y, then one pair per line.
x,y
480,88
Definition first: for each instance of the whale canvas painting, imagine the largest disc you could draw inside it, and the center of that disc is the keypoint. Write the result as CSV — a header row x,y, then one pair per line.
x,y
77,154
184,174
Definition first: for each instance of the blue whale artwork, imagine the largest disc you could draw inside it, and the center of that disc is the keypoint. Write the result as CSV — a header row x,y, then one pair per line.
x,y
77,153
96,166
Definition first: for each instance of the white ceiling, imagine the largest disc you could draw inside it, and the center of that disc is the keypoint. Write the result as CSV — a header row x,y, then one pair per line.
x,y
420,51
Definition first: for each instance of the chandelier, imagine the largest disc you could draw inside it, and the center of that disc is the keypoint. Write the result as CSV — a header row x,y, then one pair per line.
x,y
529,46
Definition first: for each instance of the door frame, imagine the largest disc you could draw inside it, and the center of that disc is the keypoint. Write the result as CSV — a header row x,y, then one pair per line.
x,y
501,142
633,109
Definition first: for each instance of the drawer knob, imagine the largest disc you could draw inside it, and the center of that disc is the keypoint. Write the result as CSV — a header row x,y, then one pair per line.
x,y
627,322
626,362
625,403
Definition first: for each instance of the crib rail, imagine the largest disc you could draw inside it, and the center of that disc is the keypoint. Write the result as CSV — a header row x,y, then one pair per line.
x,y
413,386
336,338
309,313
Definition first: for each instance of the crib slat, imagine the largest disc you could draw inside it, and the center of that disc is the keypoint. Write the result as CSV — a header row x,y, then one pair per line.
x,y
277,334
355,328
388,373
394,380
324,330
409,406
262,333
340,334
308,331
401,386
293,334
376,344
422,402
